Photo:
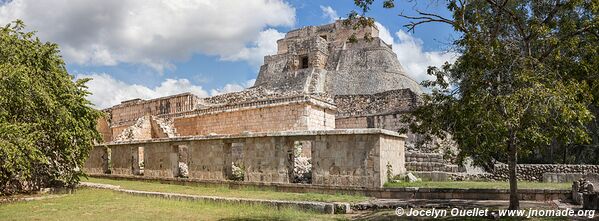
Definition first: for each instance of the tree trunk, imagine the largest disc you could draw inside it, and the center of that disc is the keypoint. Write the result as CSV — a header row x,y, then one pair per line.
x,y
512,161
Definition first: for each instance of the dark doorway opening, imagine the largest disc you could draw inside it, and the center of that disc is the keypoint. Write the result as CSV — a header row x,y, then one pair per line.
x,y
304,62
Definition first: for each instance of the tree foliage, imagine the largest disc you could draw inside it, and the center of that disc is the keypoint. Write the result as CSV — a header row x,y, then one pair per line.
x,y
526,78
47,127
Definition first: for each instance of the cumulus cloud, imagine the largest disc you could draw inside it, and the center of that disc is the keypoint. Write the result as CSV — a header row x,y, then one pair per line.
x,y
411,55
329,12
107,91
266,44
154,33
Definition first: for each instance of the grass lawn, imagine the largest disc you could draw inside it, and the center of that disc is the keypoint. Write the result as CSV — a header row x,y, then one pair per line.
x,y
95,204
482,185
246,192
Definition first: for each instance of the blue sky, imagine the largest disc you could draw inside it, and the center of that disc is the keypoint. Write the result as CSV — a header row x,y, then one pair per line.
x,y
147,49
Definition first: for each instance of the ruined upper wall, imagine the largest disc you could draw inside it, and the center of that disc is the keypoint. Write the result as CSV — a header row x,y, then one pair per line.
x,y
336,34
128,112
323,59
395,101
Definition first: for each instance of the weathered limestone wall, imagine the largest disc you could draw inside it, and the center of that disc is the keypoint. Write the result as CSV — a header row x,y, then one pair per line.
x,y
345,160
209,159
97,162
339,157
160,160
392,157
125,159
267,118
337,33
394,101
157,130
534,172
140,130
384,121
268,159
128,112
391,121
104,129
320,118
381,110
355,160
116,130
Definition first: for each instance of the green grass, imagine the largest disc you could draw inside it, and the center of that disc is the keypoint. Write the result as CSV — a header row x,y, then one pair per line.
x,y
481,185
95,204
246,192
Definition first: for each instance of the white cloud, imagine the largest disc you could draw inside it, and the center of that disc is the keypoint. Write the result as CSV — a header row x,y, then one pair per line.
x,y
154,33
107,91
266,44
329,12
228,88
412,57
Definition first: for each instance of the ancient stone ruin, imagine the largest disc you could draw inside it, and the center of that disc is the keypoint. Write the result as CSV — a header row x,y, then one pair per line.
x,y
318,80
321,92
324,110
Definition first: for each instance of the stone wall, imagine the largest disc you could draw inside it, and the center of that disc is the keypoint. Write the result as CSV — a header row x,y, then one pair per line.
x,y
337,33
268,159
125,159
392,159
394,101
140,130
391,121
128,112
97,161
561,177
264,116
320,118
120,117
384,121
209,159
343,160
534,172
416,161
104,129
160,160
116,130
339,157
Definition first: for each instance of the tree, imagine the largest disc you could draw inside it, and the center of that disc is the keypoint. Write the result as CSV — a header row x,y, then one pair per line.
x,y
526,77
47,127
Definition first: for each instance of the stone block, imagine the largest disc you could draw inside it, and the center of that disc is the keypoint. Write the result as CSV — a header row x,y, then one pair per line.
x,y
411,178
